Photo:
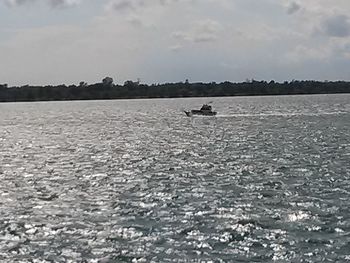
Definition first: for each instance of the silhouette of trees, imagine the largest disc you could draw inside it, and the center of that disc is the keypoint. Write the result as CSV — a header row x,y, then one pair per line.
x,y
131,89
83,84
107,82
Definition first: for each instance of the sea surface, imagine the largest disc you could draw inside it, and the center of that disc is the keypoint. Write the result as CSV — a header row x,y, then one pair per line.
x,y
267,180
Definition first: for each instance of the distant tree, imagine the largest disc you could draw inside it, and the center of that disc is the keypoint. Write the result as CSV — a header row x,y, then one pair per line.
x,y
83,84
107,82
131,84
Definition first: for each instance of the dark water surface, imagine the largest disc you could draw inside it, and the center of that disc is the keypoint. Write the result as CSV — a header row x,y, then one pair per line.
x,y
267,180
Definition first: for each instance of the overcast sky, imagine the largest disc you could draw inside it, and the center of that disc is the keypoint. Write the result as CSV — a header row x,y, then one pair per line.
x,y
68,41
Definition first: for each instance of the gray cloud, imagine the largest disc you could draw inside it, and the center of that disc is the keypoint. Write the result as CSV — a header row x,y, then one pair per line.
x,y
63,3
17,2
135,21
53,3
126,5
120,5
336,26
293,8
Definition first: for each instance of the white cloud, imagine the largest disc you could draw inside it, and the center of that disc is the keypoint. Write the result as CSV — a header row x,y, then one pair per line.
x,y
175,48
201,31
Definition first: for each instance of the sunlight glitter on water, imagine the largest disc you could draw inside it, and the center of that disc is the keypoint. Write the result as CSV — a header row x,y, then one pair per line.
x,y
138,181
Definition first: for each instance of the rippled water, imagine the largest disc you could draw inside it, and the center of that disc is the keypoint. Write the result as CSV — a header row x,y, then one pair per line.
x,y
138,181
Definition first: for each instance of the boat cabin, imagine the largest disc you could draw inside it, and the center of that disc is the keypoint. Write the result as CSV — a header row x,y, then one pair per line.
x,y
206,107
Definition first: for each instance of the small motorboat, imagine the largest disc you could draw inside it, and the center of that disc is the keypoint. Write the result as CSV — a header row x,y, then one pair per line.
x,y
206,110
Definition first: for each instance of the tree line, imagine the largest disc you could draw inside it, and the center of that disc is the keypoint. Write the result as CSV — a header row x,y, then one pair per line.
x,y
133,89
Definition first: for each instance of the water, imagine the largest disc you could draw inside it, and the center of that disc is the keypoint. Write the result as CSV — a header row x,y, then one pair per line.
x,y
267,180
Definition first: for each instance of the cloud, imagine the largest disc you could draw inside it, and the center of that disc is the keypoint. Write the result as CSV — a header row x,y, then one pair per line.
x,y
344,50
128,5
175,48
64,3
302,53
202,31
52,3
135,20
18,2
120,5
336,26
133,5
293,8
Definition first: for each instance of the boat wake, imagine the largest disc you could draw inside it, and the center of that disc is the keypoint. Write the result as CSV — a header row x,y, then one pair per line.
x,y
280,114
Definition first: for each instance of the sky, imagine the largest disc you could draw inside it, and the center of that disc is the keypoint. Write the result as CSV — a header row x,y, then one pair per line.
x,y
68,41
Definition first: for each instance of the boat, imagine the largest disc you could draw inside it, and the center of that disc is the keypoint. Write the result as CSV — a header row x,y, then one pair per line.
x,y
206,110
